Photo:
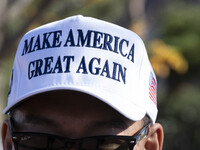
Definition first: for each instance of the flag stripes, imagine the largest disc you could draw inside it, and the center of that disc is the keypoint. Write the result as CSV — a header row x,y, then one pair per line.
x,y
153,88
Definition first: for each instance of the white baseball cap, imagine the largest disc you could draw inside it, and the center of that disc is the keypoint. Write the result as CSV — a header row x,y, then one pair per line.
x,y
88,55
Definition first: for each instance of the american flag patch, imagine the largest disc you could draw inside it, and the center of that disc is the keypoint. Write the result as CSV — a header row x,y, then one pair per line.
x,y
153,88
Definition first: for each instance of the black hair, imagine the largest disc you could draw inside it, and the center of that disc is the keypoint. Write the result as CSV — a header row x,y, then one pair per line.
x,y
146,119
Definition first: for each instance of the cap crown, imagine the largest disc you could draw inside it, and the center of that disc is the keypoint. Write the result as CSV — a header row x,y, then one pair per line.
x,y
88,55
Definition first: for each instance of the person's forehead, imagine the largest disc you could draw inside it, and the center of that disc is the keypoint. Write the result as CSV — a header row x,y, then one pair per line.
x,y
62,98
60,108
65,102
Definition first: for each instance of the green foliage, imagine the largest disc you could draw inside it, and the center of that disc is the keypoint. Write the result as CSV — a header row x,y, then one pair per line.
x,y
179,101
180,27
181,118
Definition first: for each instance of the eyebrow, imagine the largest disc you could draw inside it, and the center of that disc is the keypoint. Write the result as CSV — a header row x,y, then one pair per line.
x,y
33,119
113,123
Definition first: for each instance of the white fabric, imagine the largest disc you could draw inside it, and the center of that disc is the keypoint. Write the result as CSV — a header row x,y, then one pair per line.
x,y
88,55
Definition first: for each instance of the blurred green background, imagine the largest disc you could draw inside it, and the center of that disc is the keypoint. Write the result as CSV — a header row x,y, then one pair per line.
x,y
170,30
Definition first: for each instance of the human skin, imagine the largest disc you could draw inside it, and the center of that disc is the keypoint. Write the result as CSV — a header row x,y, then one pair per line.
x,y
75,115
